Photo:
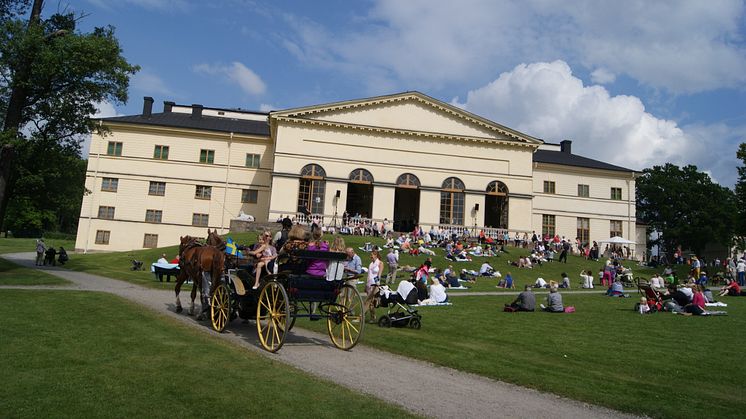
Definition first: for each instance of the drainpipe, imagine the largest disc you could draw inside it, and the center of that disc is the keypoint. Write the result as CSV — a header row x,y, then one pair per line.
x,y
95,177
225,191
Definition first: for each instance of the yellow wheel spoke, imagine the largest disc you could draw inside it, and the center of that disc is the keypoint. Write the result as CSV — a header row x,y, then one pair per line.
x,y
351,326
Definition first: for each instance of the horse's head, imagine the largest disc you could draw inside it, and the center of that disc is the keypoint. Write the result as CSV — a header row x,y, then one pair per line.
x,y
213,239
184,242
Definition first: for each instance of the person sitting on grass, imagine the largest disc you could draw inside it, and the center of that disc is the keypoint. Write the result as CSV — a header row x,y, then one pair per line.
x,y
540,283
697,306
554,302
731,288
526,301
587,279
509,281
616,289
565,281
486,270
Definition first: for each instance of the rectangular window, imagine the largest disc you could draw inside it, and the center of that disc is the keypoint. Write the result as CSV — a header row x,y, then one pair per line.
x,y
109,184
584,230
153,216
114,148
584,191
200,220
161,152
547,225
252,160
615,228
616,194
548,186
106,213
102,236
207,156
249,196
157,188
203,192
150,241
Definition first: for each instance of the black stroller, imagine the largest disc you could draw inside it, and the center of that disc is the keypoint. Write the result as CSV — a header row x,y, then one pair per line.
x,y
399,313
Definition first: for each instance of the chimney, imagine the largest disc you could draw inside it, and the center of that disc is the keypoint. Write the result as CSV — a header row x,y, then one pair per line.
x,y
168,106
196,111
566,146
147,107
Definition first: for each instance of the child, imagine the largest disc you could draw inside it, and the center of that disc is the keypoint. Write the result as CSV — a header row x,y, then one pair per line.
x,y
565,281
643,308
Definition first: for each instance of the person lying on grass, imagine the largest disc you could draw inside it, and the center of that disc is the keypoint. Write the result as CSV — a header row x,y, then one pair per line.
x,y
526,301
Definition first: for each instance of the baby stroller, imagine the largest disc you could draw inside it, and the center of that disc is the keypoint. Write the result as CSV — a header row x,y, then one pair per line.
x,y
399,313
654,298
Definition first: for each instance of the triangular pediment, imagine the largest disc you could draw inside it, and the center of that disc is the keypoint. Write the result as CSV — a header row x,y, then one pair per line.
x,y
410,112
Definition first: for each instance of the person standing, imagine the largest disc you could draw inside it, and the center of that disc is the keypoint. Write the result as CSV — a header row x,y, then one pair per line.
x,y
393,261
741,272
40,249
374,271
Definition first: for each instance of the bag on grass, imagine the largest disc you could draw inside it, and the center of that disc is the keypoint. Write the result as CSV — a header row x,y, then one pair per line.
x,y
570,309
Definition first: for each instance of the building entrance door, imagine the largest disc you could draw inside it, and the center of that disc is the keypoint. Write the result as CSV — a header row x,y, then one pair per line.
x,y
406,208
359,199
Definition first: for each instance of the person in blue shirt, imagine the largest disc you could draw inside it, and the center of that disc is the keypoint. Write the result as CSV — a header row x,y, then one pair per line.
x,y
509,281
702,279
353,265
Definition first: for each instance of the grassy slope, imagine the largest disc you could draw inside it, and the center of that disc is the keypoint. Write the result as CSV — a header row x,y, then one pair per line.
x,y
73,354
12,245
12,274
661,365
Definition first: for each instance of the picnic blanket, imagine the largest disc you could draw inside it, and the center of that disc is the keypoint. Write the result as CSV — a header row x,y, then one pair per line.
x,y
716,304
458,288
163,266
434,304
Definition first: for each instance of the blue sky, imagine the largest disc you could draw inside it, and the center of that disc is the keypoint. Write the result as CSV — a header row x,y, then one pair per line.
x,y
634,83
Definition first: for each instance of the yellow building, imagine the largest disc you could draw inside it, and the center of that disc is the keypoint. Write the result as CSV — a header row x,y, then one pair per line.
x,y
401,159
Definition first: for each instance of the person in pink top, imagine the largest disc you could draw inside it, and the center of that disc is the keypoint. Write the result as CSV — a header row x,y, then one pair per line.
x,y
697,306
317,267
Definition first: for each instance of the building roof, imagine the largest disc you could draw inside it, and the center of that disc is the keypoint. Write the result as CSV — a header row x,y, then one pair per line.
x,y
567,159
204,122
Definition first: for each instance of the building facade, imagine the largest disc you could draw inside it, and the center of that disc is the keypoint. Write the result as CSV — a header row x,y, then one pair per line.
x,y
403,159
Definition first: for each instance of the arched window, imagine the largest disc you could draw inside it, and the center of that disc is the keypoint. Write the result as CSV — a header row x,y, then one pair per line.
x,y
361,176
452,202
311,190
408,180
496,203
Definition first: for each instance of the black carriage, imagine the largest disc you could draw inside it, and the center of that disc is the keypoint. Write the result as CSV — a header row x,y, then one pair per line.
x,y
284,297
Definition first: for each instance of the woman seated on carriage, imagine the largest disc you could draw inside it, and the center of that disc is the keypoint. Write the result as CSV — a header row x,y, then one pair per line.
x,y
296,241
266,254
317,267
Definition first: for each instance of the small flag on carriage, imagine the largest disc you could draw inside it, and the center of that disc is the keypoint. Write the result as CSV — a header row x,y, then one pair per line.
x,y
230,247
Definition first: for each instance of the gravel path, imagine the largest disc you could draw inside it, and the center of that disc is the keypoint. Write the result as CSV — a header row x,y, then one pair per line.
x,y
419,387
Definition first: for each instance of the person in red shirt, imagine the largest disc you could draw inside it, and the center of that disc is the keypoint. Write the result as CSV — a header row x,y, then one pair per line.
x,y
175,260
731,288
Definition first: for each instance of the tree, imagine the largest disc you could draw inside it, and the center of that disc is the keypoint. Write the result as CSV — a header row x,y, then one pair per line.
x,y
51,77
741,197
686,206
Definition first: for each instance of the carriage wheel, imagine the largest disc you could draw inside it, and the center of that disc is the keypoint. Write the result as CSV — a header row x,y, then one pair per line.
x,y
272,315
414,323
293,315
346,318
220,307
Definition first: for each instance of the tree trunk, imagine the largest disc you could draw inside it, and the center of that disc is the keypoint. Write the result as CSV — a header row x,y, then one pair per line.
x,y
14,114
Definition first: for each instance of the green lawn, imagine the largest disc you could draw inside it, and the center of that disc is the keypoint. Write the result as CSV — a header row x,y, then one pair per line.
x,y
82,354
660,365
12,245
12,274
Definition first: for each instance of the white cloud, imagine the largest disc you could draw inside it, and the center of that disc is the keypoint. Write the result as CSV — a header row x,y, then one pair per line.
x,y
237,73
602,76
545,100
150,84
682,46
160,5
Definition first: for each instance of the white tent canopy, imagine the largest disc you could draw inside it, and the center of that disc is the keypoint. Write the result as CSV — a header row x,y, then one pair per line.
x,y
617,240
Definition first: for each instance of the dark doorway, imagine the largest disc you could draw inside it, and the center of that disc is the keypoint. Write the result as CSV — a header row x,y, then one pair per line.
x,y
359,199
496,211
406,208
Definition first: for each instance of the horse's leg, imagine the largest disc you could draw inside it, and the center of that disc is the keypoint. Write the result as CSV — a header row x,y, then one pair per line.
x,y
177,289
